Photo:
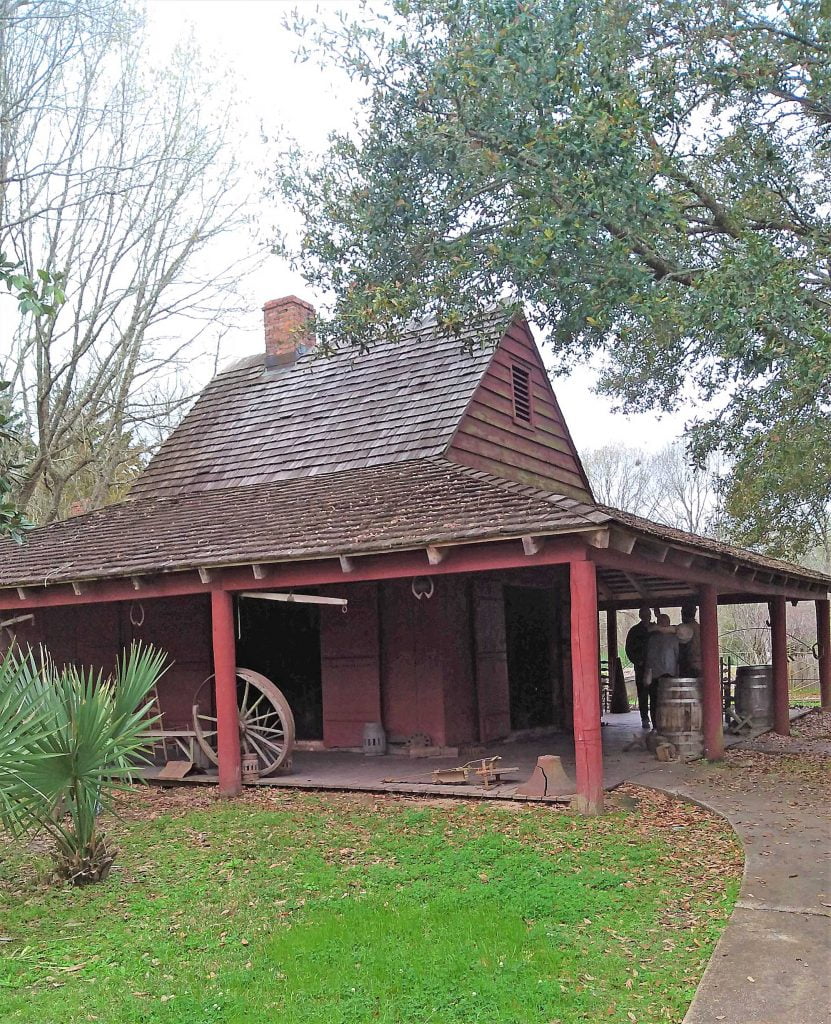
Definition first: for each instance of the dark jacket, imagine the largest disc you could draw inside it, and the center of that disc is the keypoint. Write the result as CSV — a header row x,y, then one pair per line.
x,y
636,640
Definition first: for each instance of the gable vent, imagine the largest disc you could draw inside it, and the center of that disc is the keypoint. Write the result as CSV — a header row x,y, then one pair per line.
x,y
521,380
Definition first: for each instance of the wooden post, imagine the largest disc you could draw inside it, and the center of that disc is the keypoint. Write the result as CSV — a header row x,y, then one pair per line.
x,y
588,748
611,641
823,608
711,699
225,681
779,650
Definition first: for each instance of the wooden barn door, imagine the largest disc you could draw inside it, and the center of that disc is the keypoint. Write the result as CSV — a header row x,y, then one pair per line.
x,y
493,694
350,666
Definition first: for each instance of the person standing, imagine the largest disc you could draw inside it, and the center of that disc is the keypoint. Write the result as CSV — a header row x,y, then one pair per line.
x,y
661,659
636,641
690,637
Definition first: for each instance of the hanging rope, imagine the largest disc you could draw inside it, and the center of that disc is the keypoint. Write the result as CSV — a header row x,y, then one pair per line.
x,y
137,619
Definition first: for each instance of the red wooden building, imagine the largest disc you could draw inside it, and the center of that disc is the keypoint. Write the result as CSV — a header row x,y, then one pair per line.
x,y
437,465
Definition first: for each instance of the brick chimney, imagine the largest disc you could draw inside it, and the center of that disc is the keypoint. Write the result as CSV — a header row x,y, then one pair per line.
x,y
286,335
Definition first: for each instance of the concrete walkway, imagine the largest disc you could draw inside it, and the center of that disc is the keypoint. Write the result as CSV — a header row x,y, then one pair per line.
x,y
772,964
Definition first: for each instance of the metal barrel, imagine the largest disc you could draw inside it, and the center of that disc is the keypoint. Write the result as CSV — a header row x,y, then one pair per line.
x,y
754,695
679,716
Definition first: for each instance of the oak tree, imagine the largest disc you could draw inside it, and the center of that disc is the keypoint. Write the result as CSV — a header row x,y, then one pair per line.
x,y
650,181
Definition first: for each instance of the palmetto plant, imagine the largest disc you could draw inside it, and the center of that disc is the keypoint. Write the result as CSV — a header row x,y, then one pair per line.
x,y
69,739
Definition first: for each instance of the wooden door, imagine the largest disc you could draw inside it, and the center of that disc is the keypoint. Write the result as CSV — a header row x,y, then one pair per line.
x,y
492,691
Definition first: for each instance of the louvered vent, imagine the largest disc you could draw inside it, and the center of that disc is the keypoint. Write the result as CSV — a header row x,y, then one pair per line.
x,y
521,379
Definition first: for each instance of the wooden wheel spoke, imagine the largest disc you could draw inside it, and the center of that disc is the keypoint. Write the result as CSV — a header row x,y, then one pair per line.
x,y
259,751
268,716
270,743
265,720
260,730
255,705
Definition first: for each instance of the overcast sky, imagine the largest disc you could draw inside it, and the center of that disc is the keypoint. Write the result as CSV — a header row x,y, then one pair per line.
x,y
284,96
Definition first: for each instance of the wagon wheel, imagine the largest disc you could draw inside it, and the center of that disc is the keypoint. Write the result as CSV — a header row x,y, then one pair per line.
x,y
266,724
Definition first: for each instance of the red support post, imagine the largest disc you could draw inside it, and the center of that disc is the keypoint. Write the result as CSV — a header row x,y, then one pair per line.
x,y
711,699
823,608
225,680
588,748
779,651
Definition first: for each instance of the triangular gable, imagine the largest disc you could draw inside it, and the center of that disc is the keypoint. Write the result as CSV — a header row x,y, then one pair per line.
x,y
534,447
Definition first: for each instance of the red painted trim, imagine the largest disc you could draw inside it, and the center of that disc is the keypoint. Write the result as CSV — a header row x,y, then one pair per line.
x,y
225,675
179,585
395,565
588,747
711,700
823,610
779,648
726,582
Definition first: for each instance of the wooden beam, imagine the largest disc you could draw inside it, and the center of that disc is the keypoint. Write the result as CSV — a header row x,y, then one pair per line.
x,y
292,598
137,582
779,658
77,588
588,744
598,538
692,576
683,558
620,540
205,575
712,712
259,571
435,555
823,614
532,545
225,684
639,589
347,564
22,593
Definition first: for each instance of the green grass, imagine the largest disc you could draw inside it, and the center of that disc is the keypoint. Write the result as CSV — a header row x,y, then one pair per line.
x,y
306,908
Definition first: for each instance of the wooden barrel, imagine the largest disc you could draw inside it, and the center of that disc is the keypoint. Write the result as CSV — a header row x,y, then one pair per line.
x,y
679,717
754,695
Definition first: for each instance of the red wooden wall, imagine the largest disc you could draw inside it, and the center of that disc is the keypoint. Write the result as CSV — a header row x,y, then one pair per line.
x,y
489,438
94,635
437,666
427,665
350,666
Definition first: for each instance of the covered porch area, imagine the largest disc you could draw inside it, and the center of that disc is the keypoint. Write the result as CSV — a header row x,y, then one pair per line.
x,y
438,664
399,773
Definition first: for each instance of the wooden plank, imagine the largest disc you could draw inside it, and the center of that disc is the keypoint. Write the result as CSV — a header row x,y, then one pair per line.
x,y
502,420
174,770
543,424
526,468
531,447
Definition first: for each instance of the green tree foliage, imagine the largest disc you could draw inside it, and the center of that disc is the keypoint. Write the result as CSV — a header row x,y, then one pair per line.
x,y
649,180
69,739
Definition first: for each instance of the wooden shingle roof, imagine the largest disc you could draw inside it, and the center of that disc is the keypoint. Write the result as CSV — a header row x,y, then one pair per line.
x,y
390,507
400,401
